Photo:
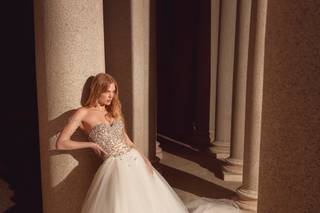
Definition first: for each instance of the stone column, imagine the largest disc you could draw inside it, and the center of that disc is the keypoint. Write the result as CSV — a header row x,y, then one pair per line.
x,y
233,170
248,192
215,14
153,147
127,31
205,79
289,162
69,49
221,145
140,71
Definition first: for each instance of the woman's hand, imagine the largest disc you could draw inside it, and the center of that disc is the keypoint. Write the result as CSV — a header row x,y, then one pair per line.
x,y
99,151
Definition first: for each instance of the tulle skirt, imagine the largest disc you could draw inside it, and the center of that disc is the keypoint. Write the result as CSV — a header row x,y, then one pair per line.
x,y
122,184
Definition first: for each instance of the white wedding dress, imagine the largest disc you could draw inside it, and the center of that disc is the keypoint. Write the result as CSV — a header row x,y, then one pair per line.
x,y
122,183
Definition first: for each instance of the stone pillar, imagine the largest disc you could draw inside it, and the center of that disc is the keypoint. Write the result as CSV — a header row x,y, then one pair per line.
x,y
69,49
248,192
127,30
205,78
221,145
215,15
140,72
233,170
289,162
153,146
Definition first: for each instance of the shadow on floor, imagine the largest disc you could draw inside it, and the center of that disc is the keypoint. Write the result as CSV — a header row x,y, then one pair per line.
x,y
193,184
204,159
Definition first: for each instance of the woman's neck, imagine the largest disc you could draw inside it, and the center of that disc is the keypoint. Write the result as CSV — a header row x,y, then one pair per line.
x,y
100,108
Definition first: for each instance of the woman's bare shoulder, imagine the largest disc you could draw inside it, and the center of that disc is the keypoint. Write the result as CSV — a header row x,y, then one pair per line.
x,y
79,113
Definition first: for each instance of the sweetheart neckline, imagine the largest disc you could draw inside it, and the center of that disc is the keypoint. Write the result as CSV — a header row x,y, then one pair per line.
x,y
99,124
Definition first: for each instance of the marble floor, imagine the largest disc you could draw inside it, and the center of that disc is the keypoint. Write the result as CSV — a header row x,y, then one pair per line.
x,y
194,174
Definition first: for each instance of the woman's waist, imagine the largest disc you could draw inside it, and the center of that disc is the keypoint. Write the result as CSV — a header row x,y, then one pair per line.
x,y
114,149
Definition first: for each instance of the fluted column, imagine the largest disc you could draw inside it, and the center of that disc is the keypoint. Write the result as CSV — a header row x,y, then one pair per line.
x,y
248,192
233,170
140,70
215,22
221,145
290,162
69,49
153,147
127,30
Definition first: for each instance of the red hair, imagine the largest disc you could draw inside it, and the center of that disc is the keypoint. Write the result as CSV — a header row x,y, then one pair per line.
x,y
100,84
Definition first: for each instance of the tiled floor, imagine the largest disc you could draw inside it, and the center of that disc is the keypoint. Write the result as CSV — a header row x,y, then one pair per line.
x,y
193,174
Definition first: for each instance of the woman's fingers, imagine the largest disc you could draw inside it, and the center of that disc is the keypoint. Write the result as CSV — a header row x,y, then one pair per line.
x,y
96,151
103,154
102,151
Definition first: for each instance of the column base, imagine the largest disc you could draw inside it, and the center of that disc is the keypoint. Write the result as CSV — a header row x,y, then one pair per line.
x,y
158,150
229,176
220,156
232,171
247,206
247,199
220,144
235,162
221,150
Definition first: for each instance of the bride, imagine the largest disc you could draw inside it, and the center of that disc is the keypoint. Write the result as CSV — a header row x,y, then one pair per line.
x,y
125,181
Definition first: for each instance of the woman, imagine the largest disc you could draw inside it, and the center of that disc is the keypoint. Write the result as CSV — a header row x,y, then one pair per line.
x,y
126,180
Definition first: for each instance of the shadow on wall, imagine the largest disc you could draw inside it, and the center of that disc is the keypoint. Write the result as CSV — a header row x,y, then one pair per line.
x,y
118,52
84,163
121,58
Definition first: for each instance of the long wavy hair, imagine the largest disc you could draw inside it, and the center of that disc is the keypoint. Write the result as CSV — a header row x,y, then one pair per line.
x,y
100,84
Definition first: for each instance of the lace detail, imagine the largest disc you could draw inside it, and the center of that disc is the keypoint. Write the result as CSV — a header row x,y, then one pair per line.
x,y
110,137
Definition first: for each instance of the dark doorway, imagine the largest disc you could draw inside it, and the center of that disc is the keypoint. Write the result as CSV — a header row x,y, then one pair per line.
x,y
19,152
183,67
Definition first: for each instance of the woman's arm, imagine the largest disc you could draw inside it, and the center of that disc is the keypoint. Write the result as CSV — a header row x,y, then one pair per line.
x,y
65,143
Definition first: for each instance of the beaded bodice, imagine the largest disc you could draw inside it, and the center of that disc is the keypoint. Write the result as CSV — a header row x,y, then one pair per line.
x,y
110,137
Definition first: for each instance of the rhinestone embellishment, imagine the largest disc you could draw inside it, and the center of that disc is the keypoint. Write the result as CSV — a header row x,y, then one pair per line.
x,y
110,137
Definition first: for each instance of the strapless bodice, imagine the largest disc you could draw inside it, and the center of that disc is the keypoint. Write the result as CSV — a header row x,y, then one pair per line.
x,y
110,137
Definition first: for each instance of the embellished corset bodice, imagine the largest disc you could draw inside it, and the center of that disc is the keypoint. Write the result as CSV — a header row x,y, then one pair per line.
x,y
110,137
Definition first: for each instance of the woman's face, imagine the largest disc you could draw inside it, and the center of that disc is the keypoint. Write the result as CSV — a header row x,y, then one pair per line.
x,y
107,96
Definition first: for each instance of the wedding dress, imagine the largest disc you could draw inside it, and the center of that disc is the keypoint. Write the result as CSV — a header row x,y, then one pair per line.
x,y
122,183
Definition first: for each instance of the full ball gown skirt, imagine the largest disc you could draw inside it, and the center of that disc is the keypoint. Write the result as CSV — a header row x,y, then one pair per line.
x,y
122,183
